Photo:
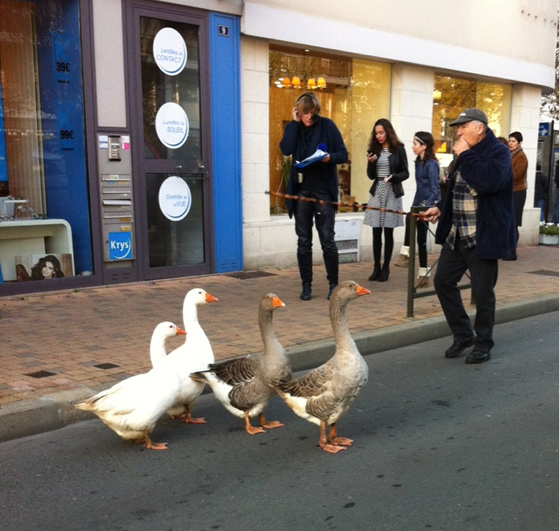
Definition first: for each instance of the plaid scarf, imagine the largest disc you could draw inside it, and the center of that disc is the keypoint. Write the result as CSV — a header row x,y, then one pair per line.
x,y
464,207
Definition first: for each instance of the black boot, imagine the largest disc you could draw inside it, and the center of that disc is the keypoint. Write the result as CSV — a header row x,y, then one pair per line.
x,y
332,288
331,263
306,293
376,273
385,271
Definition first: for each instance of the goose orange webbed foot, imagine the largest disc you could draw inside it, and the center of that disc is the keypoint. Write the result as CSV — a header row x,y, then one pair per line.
x,y
269,424
190,420
329,444
250,429
337,441
150,445
340,441
331,448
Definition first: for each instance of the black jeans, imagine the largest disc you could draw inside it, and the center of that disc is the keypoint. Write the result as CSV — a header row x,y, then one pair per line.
x,y
453,263
324,217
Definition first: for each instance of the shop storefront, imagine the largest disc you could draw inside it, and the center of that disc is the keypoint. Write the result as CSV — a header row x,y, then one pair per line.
x,y
45,229
90,198
354,93
138,138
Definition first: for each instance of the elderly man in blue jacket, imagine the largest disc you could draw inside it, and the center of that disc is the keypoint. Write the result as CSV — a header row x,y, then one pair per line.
x,y
476,228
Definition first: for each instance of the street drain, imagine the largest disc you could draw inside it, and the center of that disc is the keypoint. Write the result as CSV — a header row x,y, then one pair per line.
x,y
106,366
545,273
41,374
247,275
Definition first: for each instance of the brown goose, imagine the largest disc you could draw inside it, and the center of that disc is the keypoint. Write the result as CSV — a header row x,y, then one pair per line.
x,y
244,385
324,394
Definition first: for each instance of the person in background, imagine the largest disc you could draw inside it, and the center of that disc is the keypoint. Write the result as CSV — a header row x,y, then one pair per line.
x,y
387,167
541,191
427,193
519,172
319,181
476,228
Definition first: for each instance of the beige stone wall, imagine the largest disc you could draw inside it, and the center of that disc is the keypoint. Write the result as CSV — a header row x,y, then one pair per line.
x,y
519,29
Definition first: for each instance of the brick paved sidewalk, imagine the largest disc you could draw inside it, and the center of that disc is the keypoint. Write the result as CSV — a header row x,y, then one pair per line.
x,y
71,339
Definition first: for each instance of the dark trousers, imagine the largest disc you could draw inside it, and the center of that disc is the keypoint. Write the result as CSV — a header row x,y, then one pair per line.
x,y
453,263
324,217
421,230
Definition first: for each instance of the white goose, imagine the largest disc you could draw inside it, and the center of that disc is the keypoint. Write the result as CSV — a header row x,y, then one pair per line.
x,y
195,354
244,385
132,407
323,395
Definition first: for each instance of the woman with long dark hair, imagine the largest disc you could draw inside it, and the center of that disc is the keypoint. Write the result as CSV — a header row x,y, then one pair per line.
x,y
387,167
46,268
427,193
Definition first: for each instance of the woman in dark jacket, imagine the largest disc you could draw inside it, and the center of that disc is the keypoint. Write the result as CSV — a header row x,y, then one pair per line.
x,y
387,168
427,194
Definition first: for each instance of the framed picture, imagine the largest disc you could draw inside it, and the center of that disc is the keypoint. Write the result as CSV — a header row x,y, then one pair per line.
x,y
43,266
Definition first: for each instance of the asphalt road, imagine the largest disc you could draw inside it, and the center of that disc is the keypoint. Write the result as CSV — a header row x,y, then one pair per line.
x,y
438,445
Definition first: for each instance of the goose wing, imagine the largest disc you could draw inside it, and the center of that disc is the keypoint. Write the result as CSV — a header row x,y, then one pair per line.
x,y
236,371
312,384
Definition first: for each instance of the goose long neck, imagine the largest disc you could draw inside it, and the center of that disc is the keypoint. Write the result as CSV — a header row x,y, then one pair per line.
x,y
189,316
267,331
157,350
339,325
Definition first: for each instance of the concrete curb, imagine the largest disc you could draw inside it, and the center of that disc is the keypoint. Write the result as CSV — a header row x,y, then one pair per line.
x,y
56,410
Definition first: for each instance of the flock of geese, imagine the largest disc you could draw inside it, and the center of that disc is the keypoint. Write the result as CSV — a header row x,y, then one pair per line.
x,y
244,386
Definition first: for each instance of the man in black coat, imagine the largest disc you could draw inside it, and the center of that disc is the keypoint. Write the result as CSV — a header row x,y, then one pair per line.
x,y
476,227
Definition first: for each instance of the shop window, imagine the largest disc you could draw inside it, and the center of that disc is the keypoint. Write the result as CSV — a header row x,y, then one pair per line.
x,y
44,204
353,93
452,95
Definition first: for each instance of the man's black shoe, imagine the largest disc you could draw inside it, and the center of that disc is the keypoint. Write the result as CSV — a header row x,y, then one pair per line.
x,y
459,346
332,288
478,356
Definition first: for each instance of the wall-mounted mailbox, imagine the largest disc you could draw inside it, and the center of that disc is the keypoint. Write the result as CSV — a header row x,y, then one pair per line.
x,y
117,204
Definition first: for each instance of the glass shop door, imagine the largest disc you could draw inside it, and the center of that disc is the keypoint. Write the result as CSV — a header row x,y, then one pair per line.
x,y
170,125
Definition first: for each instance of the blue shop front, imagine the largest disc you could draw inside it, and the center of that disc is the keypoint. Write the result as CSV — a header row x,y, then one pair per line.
x,y
157,197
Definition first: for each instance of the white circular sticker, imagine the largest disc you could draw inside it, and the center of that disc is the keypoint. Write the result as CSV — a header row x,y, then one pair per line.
x,y
169,51
171,125
175,198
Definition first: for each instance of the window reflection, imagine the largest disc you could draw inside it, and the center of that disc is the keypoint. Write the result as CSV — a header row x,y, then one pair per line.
x,y
42,140
354,93
451,95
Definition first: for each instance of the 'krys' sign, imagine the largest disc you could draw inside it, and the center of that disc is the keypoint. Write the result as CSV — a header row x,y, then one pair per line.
x,y
120,245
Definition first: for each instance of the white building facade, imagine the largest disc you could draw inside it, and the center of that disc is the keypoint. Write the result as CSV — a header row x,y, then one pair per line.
x,y
139,138
511,44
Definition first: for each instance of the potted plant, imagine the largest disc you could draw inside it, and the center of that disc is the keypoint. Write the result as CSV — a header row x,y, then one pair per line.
x,y
549,234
